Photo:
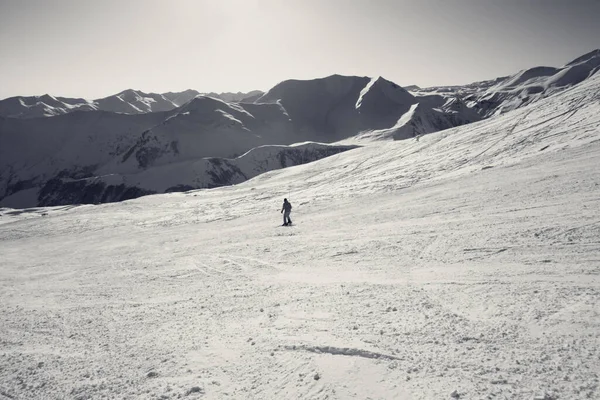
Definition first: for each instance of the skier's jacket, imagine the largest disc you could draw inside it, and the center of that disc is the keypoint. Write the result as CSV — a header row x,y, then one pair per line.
x,y
287,206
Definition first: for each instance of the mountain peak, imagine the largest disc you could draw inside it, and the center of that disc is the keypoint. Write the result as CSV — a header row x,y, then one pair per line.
x,y
585,57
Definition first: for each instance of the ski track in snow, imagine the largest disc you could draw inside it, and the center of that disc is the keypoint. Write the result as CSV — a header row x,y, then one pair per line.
x,y
468,260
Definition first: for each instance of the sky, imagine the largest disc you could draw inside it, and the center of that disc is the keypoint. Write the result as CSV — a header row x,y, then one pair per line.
x,y
92,49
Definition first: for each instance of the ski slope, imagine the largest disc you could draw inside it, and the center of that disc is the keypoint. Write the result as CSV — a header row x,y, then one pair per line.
x,y
465,264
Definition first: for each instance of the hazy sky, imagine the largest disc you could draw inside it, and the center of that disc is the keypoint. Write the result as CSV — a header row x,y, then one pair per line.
x,y
85,48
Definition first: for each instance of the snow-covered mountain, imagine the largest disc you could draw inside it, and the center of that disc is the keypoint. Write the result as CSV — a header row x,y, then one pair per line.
x,y
133,136
73,146
180,98
338,107
238,97
126,102
420,120
135,102
187,175
525,87
42,106
143,133
43,158
533,84
464,265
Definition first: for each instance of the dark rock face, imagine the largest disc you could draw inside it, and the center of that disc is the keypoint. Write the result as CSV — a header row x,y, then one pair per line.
x,y
146,152
223,172
298,157
78,172
179,188
86,191
18,186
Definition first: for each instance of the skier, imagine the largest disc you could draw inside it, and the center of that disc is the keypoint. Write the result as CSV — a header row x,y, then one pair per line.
x,y
286,210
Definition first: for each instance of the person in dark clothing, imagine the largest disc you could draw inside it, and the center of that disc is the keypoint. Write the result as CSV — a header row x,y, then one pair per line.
x,y
286,210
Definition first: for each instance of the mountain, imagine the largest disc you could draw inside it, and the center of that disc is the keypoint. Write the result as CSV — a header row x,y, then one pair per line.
x,y
338,107
457,90
135,102
41,106
420,120
47,159
504,94
209,127
463,265
140,134
180,98
236,97
70,146
122,141
182,176
252,98
126,102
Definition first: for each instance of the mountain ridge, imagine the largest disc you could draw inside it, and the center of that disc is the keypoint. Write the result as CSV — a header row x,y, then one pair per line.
x,y
128,101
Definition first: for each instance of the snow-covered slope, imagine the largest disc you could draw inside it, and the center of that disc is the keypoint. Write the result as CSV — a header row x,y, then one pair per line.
x,y
33,151
180,98
337,107
127,102
41,106
416,122
182,176
461,90
534,84
463,265
135,102
423,118
208,127
237,97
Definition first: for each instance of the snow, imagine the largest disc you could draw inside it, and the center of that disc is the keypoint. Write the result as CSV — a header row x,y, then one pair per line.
x,y
44,153
462,265
383,134
211,172
504,94
338,107
127,102
364,91
34,150
131,132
